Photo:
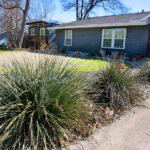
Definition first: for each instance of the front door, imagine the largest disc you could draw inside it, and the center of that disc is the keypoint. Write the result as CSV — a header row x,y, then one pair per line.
x,y
42,31
42,39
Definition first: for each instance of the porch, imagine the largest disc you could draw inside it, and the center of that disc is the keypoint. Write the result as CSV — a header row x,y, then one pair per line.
x,y
36,42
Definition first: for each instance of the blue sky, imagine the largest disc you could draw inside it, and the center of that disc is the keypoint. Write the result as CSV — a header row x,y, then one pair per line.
x,y
62,16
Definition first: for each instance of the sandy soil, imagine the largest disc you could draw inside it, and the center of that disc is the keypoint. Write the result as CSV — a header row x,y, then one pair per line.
x,y
131,132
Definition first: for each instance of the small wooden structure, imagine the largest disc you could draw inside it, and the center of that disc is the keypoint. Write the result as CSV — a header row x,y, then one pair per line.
x,y
36,42
39,37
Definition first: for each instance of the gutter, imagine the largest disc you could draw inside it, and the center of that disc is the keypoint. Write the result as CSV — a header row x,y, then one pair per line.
x,y
98,25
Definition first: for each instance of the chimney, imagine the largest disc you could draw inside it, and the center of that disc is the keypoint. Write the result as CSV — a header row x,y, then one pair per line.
x,y
142,11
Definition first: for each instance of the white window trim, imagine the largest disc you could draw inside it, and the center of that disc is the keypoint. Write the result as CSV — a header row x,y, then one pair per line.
x,y
66,38
113,39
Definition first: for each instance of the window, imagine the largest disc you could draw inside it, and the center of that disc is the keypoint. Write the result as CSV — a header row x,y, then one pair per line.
x,y
32,31
114,38
68,37
107,42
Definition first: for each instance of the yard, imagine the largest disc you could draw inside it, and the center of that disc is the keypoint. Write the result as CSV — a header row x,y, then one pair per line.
x,y
85,64
50,104
80,81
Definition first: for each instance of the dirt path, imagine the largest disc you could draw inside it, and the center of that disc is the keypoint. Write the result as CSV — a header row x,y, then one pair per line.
x,y
131,132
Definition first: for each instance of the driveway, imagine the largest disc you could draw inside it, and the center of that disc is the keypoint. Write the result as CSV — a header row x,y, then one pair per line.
x,y
131,132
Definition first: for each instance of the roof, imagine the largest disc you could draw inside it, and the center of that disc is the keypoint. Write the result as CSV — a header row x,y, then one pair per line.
x,y
42,21
113,20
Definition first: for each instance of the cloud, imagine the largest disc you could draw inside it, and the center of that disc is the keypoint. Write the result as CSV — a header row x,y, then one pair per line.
x,y
61,15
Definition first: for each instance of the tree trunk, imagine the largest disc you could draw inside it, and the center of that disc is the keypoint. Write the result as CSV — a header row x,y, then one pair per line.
x,y
25,12
81,17
77,10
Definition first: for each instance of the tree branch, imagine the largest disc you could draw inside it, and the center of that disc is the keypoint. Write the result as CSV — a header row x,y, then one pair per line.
x,y
84,7
13,7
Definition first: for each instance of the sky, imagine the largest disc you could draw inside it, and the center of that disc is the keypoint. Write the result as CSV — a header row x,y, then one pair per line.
x,y
62,16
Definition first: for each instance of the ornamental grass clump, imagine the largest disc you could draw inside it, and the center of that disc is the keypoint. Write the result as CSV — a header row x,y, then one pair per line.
x,y
144,74
42,105
113,87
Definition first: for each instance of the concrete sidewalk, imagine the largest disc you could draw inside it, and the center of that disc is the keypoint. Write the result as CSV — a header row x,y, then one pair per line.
x,y
131,132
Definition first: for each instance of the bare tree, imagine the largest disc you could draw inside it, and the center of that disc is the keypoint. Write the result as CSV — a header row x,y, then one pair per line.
x,y
25,12
85,7
41,9
11,21
16,5
38,9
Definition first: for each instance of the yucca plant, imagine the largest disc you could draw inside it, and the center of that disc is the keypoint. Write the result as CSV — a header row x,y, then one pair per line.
x,y
144,74
41,105
113,87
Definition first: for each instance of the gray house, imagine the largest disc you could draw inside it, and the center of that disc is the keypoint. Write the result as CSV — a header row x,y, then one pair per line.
x,y
126,33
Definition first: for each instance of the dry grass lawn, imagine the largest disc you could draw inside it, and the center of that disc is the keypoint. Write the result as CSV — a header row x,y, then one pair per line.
x,y
85,65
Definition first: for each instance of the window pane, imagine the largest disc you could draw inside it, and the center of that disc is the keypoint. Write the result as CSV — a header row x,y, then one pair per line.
x,y
107,43
68,41
68,34
108,34
119,43
119,33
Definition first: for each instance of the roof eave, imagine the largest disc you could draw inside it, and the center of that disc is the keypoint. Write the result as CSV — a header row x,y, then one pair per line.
x,y
29,23
97,25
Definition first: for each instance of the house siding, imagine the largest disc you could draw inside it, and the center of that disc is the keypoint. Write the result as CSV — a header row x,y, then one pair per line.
x,y
137,40
84,40
89,39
